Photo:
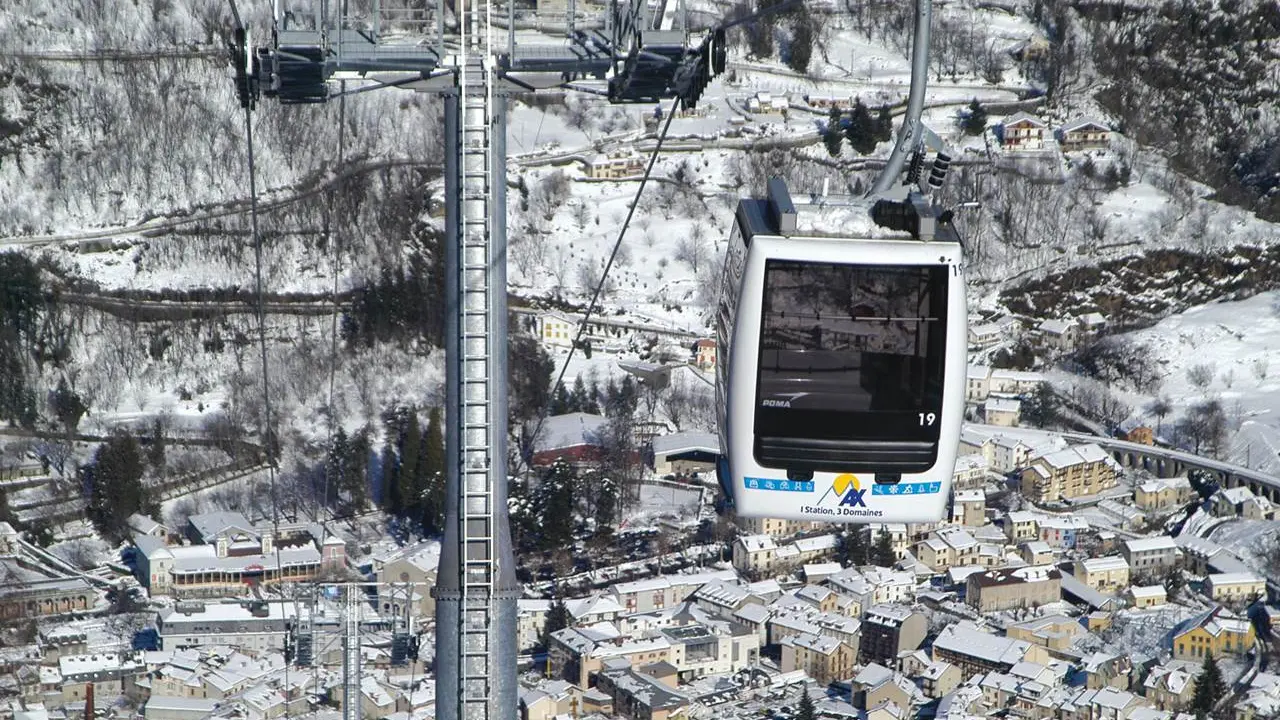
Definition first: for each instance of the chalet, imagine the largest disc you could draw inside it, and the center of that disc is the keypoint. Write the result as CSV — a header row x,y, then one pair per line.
x,y
1023,131
1084,134
704,354
556,330
614,167
1059,334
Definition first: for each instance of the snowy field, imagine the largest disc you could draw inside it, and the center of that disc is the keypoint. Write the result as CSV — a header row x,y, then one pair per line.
x,y
1240,341
1250,540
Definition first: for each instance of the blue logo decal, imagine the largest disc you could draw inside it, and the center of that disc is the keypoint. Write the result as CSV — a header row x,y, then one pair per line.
x,y
752,483
922,488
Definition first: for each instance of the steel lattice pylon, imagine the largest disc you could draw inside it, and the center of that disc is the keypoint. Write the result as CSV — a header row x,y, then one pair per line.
x,y
455,51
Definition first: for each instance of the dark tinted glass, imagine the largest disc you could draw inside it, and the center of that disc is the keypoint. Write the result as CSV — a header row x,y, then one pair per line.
x,y
851,351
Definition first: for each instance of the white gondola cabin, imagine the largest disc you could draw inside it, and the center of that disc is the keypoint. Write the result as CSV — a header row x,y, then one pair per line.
x,y
841,359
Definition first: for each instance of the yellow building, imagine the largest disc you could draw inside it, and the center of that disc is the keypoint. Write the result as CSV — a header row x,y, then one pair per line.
x,y
1070,473
1217,631
1144,596
1235,587
775,528
1162,494
1106,574
822,657
1056,632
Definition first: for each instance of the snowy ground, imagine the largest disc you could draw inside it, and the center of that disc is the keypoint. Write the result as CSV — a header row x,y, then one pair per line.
x,y
1240,341
664,501
1248,539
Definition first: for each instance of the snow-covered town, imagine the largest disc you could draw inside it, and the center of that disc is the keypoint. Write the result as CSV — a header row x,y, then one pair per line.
x,y
240,476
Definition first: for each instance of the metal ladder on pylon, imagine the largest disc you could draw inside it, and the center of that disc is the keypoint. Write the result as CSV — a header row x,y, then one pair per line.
x,y
478,535
351,697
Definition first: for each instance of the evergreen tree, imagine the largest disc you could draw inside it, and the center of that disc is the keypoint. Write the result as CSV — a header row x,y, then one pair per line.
x,y
804,709
433,461
833,137
860,131
578,401
884,124
21,300
530,369
113,483
1174,583
354,476
68,407
561,401
558,618
801,41
606,514
391,500
1210,687
1040,408
155,452
975,122
594,396
408,475
853,548
882,552
334,466
555,505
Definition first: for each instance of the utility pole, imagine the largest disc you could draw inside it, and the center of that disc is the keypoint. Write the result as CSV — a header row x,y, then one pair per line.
x,y
458,52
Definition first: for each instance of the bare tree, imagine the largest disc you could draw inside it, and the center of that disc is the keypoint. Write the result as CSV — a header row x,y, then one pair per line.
x,y
693,249
677,402
1228,377
1260,369
1200,375
1205,425
1160,407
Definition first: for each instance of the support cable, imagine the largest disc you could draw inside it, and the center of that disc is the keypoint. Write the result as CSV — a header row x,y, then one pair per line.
x,y
622,232
323,500
269,435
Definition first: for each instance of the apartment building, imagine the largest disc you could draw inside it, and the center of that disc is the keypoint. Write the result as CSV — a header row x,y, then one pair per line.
x,y
650,594
1056,632
1218,631
255,627
1074,472
821,657
774,527
1154,554
975,651
970,473
698,650
1162,494
969,507
1237,587
948,547
1007,589
1105,574
889,630
579,654
229,552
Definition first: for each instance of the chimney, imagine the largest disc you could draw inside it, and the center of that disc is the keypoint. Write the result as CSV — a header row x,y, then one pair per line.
x,y
88,702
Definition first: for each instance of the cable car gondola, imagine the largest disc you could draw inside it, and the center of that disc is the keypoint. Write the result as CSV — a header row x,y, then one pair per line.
x,y
841,366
